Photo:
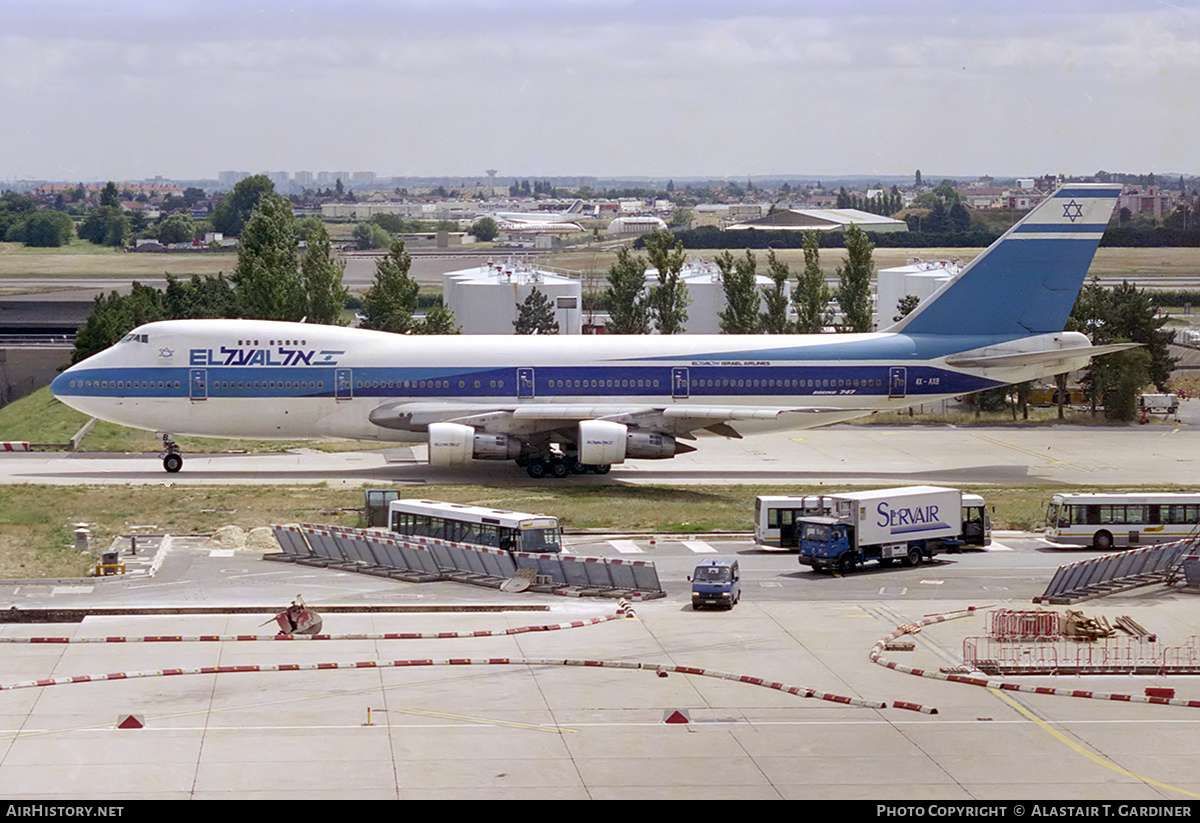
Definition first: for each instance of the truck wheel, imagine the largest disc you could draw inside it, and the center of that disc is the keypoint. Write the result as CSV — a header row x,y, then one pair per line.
x,y
846,563
914,558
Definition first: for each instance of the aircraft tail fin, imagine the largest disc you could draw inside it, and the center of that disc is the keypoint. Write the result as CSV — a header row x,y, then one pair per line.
x,y
1027,281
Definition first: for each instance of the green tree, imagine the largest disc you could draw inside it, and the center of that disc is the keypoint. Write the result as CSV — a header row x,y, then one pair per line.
x,y
177,228
321,280
625,297
115,315
109,196
1123,314
739,282
234,209
45,229
1131,316
485,229
438,320
535,315
14,208
905,306
201,297
669,296
812,294
391,301
1120,377
371,236
106,226
854,281
958,218
267,277
775,298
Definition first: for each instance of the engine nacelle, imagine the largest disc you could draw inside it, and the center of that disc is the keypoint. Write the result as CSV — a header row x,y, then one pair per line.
x,y
602,443
650,445
452,444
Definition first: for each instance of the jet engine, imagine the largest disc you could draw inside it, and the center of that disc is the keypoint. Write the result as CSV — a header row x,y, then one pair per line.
x,y
603,443
451,444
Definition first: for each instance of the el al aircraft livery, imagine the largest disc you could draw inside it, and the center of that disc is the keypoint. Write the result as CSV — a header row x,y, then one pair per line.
x,y
562,404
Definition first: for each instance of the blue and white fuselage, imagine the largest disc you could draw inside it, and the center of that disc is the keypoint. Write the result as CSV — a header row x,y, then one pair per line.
x,y
559,403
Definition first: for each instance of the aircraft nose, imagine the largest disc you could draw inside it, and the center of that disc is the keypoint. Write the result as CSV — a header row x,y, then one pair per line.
x,y
61,385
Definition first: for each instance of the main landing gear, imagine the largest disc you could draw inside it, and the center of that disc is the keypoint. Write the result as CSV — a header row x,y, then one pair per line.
x,y
558,466
172,459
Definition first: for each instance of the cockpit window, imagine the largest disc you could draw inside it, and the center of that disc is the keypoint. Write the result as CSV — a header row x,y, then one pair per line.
x,y
135,338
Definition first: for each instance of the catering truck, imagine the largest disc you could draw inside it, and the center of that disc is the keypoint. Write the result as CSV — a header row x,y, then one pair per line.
x,y
909,524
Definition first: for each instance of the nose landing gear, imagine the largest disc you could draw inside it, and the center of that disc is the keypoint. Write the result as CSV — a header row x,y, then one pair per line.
x,y
172,459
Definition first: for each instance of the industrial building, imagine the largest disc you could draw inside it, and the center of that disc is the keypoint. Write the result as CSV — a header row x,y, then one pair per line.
x,y
485,299
919,277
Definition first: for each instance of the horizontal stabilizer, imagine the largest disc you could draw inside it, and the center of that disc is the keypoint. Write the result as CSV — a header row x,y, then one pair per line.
x,y
1035,358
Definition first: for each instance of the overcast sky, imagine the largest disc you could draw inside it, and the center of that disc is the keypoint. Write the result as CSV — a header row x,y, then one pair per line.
x,y
127,89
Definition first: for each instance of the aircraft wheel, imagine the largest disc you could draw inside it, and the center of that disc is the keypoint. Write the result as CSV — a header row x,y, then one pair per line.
x,y
577,467
536,469
559,468
602,468
172,462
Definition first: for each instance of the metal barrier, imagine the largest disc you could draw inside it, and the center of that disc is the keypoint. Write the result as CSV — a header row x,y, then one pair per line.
x,y
1120,655
1008,624
1114,572
425,559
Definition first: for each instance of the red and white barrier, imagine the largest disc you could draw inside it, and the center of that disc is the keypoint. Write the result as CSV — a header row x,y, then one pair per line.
x,y
624,611
1000,685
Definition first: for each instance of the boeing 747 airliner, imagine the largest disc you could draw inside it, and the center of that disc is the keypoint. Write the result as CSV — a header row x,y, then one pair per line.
x,y
562,404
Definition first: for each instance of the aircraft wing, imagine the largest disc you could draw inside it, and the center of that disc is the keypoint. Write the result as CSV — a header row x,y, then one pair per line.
x,y
525,419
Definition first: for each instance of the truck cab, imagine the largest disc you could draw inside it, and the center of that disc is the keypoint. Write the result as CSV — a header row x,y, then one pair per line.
x,y
824,541
716,582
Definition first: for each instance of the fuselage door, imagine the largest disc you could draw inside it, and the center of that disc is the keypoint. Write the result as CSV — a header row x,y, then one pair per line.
x,y
680,384
525,383
897,381
198,384
343,384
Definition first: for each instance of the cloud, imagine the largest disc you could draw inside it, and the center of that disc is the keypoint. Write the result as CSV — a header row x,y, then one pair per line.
x,y
133,88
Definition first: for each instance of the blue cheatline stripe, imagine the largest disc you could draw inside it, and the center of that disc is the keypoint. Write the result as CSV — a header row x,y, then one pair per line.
x,y
782,381
1092,193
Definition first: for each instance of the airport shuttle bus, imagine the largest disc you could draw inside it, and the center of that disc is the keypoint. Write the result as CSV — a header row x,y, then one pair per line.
x,y
776,518
511,531
1103,521
977,521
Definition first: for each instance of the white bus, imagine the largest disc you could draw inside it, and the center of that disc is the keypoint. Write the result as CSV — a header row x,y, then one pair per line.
x,y
977,521
1111,519
775,518
511,531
